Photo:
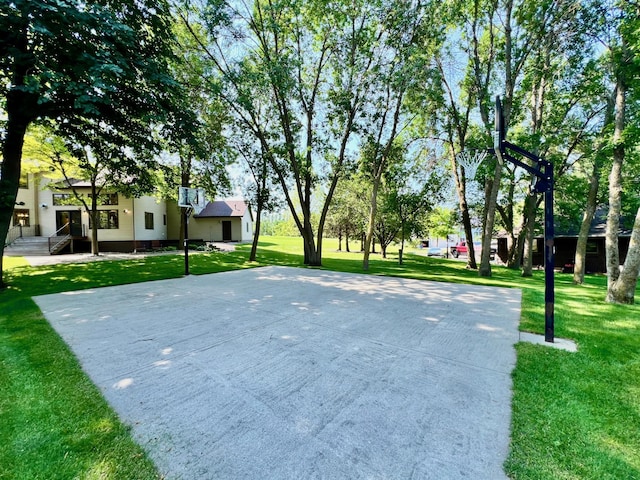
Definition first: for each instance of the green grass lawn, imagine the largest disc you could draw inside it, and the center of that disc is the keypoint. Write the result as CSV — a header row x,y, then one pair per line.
x,y
575,415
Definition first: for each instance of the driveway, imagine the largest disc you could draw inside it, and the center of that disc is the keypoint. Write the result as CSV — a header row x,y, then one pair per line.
x,y
286,373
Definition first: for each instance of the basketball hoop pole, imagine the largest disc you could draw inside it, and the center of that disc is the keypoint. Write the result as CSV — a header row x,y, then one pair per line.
x,y
186,241
189,199
543,171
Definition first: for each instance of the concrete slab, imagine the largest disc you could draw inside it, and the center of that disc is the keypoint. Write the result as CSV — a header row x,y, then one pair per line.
x,y
286,373
558,343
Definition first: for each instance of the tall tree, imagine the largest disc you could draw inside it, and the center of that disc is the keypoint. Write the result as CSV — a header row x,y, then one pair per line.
x,y
196,149
72,61
624,50
259,189
274,76
599,153
108,167
348,213
404,72
473,52
302,78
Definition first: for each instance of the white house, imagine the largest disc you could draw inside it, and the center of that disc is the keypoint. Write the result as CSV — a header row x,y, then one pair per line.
x,y
47,208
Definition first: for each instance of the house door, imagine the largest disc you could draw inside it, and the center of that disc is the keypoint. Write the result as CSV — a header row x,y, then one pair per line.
x,y
70,221
226,231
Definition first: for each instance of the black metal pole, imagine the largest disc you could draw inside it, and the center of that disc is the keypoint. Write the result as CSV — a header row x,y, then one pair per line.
x,y
186,241
549,256
544,172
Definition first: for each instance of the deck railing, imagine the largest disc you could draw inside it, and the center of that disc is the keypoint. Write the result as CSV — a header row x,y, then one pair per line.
x,y
57,241
19,231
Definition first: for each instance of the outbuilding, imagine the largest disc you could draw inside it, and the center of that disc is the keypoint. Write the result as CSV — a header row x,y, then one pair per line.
x,y
223,221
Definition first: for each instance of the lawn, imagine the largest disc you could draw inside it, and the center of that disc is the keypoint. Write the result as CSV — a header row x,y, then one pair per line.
x,y
575,415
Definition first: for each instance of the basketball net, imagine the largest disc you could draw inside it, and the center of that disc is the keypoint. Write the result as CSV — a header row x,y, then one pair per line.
x,y
470,161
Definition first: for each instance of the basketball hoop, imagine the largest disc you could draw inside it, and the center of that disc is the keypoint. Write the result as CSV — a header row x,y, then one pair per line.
x,y
192,198
470,161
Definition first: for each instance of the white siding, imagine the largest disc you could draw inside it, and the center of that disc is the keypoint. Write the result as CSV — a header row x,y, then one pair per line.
x,y
130,214
158,209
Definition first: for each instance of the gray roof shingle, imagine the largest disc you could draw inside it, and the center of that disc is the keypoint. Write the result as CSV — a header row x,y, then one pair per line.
x,y
224,208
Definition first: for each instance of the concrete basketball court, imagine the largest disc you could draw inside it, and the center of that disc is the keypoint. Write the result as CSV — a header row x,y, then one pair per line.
x,y
286,373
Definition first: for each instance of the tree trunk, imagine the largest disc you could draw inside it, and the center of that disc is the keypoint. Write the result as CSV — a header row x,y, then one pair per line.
x,y
16,128
95,250
587,218
461,188
312,252
516,246
623,289
485,259
615,190
20,109
527,252
368,239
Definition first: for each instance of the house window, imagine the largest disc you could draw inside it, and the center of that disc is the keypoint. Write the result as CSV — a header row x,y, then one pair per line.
x,y
65,199
107,198
107,220
148,220
21,217
592,248
164,219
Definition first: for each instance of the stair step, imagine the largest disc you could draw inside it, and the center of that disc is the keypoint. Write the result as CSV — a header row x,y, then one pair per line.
x,y
28,246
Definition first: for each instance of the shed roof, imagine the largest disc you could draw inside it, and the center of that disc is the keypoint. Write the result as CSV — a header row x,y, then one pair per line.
x,y
598,226
224,208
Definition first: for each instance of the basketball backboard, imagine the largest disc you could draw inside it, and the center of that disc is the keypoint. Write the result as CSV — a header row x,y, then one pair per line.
x,y
192,198
498,133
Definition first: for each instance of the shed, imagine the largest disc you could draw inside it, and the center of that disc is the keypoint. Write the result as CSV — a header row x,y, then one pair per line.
x,y
223,221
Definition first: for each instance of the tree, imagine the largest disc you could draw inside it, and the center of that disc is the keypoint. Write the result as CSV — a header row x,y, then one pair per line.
x,y
624,47
73,62
406,70
260,190
592,198
302,79
197,151
407,193
462,93
106,167
348,212
441,222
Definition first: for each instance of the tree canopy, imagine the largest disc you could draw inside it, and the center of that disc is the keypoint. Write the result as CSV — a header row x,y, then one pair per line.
x,y
96,70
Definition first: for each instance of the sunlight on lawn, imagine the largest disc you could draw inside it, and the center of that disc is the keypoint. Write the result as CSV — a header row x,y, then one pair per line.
x,y
13,262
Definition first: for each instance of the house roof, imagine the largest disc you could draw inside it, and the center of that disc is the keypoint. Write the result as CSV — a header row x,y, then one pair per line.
x,y
224,208
598,226
72,182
